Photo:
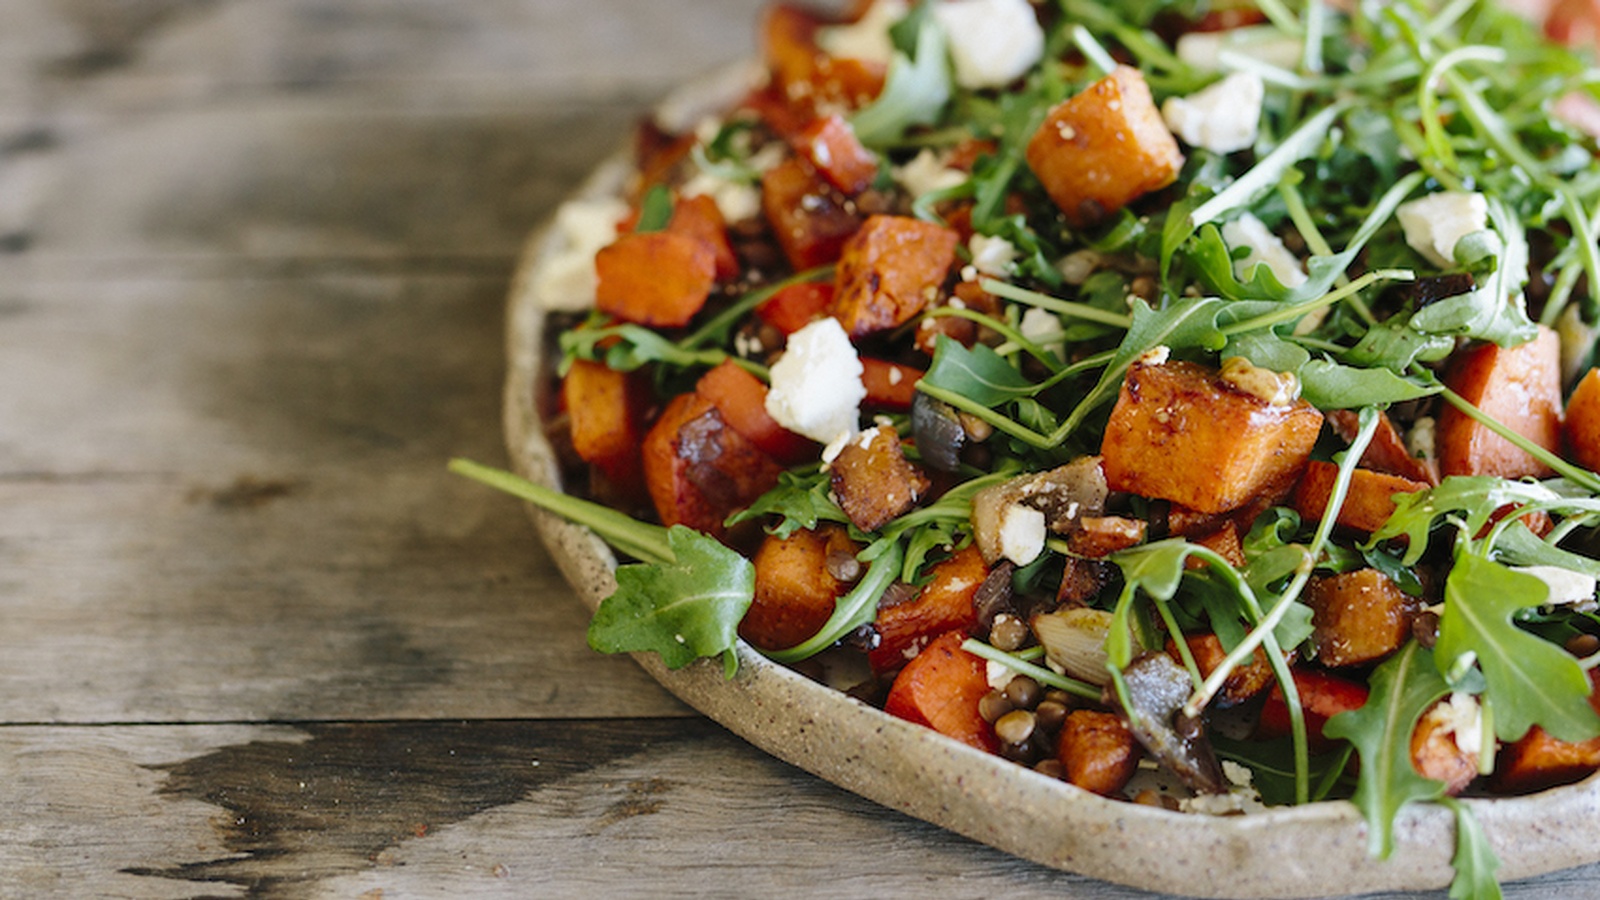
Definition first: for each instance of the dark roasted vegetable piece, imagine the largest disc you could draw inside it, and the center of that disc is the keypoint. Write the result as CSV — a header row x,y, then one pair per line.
x,y
1157,689
873,481
938,433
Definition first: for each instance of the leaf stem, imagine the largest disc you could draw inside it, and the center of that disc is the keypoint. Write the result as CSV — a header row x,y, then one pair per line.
x,y
1037,673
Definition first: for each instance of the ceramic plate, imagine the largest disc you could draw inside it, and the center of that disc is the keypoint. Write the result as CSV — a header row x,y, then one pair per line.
x,y
922,773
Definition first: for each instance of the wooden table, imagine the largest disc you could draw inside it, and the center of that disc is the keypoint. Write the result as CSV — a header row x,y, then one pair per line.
x,y
254,641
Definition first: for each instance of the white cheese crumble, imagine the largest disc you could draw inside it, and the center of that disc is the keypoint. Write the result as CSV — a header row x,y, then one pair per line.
x,y
926,172
1419,440
1077,266
998,674
868,37
1567,588
567,280
1462,719
992,42
816,385
1022,533
1433,224
1043,328
1265,248
1222,118
736,200
992,256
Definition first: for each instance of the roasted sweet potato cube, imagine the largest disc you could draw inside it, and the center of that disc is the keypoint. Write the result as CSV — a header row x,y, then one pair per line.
x,y
1323,695
1180,432
831,145
657,278
741,398
698,470
700,218
1582,428
1387,453
1360,617
795,587
1097,751
809,217
794,307
806,77
940,688
944,604
1436,751
889,270
1222,540
1104,148
890,386
1245,682
1537,760
1520,387
606,409
873,481
1367,504
1100,536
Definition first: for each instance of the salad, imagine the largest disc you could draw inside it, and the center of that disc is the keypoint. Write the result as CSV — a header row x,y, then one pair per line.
x,y
1168,393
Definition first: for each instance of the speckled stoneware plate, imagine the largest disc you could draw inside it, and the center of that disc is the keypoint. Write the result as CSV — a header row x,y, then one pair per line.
x,y
1307,851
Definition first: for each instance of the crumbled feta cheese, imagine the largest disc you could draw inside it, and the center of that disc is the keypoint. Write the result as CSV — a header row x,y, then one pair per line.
x,y
1272,388
736,200
1567,588
1237,775
1022,533
1433,224
999,674
1155,356
1204,49
926,173
567,280
1077,266
816,385
1265,248
992,42
868,37
1462,719
1419,441
1222,118
992,256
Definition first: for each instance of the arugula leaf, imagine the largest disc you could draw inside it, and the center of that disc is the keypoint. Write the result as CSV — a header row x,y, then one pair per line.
x,y
681,610
915,92
979,374
1530,681
800,500
1402,689
854,609
1474,497
1474,862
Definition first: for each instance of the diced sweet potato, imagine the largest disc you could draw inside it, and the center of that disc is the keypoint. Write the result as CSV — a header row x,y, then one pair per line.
x,y
1245,682
606,409
658,278
1360,617
807,77
890,386
741,399
1323,695
700,218
1582,429
1520,387
1100,536
698,470
795,589
1222,540
1103,148
831,145
1538,761
944,604
1387,452
1435,752
809,217
941,688
889,270
1179,432
1097,751
873,481
1367,504
794,307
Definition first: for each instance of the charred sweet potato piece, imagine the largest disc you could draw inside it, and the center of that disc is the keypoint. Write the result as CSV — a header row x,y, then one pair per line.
x,y
1245,682
1082,580
1520,387
940,688
1582,429
1436,753
606,409
794,307
806,77
890,386
889,270
1360,617
1180,432
1100,536
1323,695
944,604
741,398
1103,148
873,481
658,278
698,469
1097,751
809,217
698,217
831,145
1367,504
1537,760
1387,452
795,589
1222,540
